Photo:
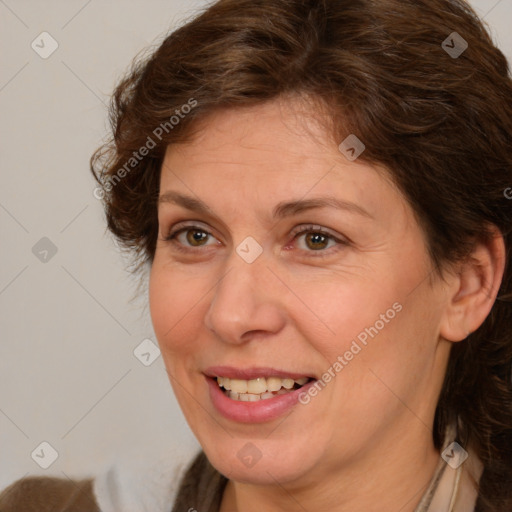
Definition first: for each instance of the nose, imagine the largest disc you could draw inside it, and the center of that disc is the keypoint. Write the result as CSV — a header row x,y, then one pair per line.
x,y
246,304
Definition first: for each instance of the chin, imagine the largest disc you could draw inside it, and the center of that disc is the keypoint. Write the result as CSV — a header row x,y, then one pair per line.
x,y
261,462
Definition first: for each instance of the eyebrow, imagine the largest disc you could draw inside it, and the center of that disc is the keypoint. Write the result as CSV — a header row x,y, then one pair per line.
x,y
281,210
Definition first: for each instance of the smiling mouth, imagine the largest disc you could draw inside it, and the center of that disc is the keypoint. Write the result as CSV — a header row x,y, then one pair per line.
x,y
262,388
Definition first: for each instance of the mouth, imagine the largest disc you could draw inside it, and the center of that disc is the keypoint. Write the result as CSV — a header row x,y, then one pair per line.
x,y
255,395
261,388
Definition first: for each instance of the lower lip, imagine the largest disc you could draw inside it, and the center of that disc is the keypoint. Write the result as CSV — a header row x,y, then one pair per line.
x,y
253,412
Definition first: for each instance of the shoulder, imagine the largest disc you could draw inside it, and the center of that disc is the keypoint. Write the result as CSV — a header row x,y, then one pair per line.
x,y
135,480
144,476
137,484
41,494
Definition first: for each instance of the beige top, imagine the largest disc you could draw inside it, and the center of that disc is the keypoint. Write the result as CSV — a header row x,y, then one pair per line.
x,y
453,487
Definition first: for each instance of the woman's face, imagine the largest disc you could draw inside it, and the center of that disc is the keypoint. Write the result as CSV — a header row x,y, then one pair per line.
x,y
298,264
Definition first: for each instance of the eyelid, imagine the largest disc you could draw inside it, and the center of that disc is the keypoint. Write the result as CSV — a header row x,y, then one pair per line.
x,y
340,241
191,224
314,228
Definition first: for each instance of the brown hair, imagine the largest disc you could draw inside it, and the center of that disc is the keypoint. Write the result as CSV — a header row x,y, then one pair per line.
x,y
440,123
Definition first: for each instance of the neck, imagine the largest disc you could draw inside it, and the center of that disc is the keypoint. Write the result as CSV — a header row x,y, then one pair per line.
x,y
394,476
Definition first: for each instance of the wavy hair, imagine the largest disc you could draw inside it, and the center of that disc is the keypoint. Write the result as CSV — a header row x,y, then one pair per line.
x,y
440,123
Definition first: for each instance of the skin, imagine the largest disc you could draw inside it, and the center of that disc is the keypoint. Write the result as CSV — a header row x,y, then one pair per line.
x,y
364,443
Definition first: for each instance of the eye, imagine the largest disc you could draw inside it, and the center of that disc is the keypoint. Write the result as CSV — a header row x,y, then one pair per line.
x,y
190,236
312,239
316,239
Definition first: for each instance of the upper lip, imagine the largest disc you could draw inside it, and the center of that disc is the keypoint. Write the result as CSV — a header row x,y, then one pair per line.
x,y
252,373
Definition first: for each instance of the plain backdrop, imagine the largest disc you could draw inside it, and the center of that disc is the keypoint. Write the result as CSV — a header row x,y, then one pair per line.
x,y
70,333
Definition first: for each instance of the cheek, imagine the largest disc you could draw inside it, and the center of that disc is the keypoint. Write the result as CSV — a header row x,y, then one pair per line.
x,y
160,298
173,307
364,331
340,313
386,366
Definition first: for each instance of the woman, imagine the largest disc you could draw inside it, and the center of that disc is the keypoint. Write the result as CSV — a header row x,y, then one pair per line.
x,y
320,191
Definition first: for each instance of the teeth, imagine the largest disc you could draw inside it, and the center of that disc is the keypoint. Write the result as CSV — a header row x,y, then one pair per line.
x,y
288,383
257,386
274,384
224,382
239,386
258,389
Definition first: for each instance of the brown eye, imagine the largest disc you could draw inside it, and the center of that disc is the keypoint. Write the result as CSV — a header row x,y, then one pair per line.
x,y
196,237
316,241
190,237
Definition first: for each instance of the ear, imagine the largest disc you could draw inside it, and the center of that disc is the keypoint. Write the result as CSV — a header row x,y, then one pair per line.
x,y
473,287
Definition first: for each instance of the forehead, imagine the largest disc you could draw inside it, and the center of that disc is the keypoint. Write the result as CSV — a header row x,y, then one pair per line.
x,y
271,151
271,133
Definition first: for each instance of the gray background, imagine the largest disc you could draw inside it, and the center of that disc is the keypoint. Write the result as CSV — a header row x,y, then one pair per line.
x,y
68,372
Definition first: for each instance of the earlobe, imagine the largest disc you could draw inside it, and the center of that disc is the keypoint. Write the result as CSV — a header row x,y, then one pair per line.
x,y
473,289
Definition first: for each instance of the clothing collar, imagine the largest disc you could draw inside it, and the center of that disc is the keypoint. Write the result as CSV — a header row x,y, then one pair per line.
x,y
453,488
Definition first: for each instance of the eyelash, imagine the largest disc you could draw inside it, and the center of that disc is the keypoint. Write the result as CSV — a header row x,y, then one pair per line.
x,y
295,233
